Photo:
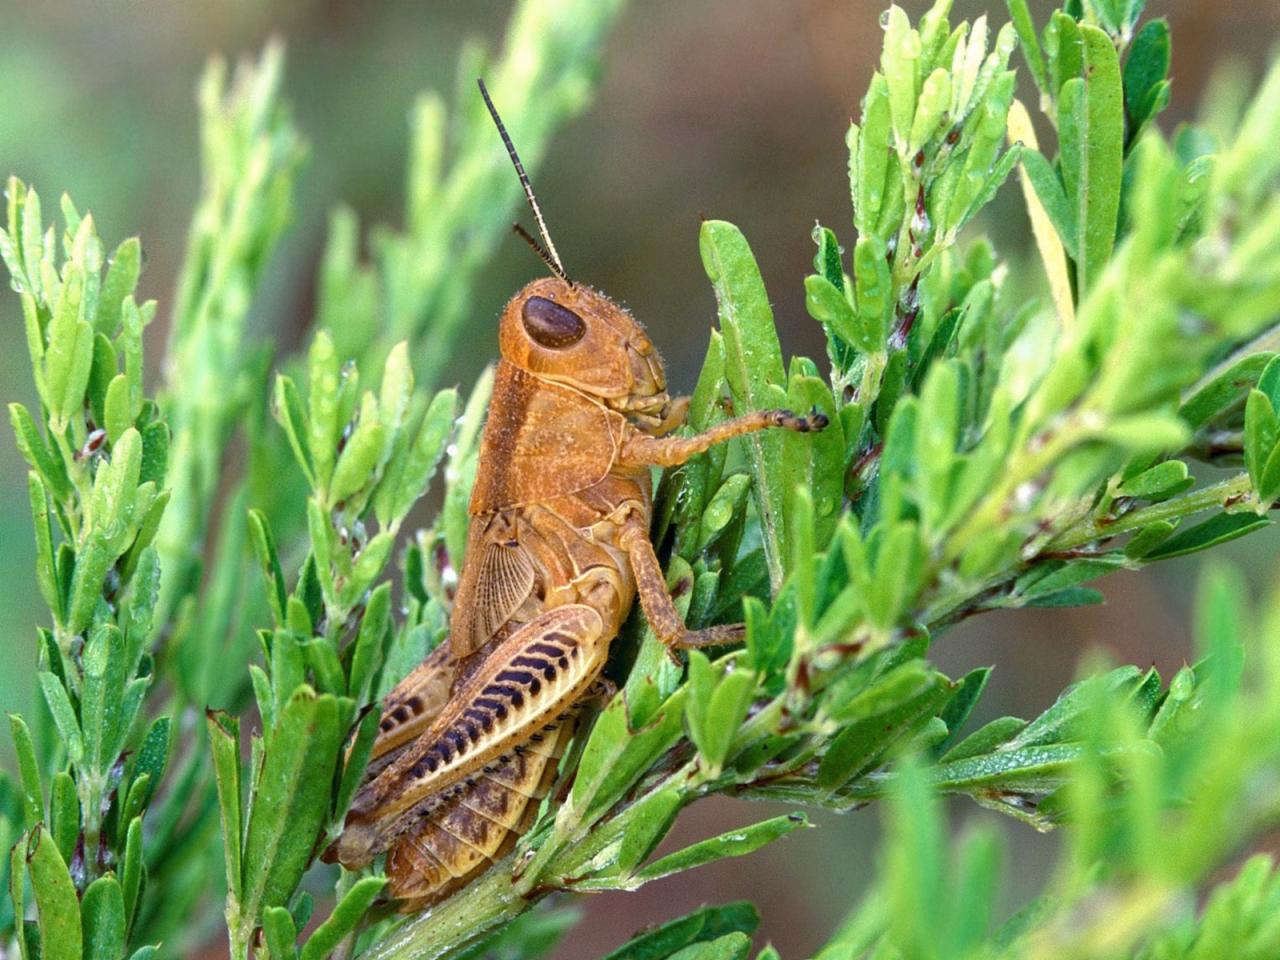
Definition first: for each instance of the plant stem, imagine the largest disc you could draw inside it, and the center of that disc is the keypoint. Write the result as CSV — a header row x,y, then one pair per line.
x,y
473,911
1215,495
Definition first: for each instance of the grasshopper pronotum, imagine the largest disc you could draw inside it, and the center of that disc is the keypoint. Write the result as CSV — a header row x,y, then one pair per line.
x,y
557,551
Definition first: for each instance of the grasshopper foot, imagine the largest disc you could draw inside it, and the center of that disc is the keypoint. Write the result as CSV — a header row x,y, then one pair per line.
x,y
721,635
810,423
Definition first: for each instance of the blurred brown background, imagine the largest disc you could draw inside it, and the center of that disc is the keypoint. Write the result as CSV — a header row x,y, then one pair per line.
x,y
732,108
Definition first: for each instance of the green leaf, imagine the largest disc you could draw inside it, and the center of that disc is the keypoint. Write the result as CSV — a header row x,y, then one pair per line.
x,y
117,412
291,798
1148,538
293,417
408,475
64,814
1145,69
1053,197
367,655
866,740
1210,533
37,453
104,924
28,770
102,694
735,843
828,306
277,925
359,459
1160,482
813,461
122,277
1146,433
324,380
1037,768
264,547
615,755
1091,130
64,715
960,706
224,738
898,63
874,292
132,869
753,369
57,907
707,924
732,946
1065,50
356,760
1027,39
344,918
46,567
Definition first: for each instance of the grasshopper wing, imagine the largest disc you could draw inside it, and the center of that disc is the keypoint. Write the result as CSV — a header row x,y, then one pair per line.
x,y
497,578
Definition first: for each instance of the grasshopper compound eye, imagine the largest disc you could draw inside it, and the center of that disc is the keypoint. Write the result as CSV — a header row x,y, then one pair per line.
x,y
550,324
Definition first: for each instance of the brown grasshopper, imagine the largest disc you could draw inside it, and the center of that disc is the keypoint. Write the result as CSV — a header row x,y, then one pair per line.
x,y
557,550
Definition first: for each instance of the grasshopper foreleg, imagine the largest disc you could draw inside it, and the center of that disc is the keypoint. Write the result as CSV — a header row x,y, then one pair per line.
x,y
641,449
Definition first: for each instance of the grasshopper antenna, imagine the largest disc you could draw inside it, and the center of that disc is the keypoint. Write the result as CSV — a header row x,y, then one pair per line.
x,y
552,264
548,253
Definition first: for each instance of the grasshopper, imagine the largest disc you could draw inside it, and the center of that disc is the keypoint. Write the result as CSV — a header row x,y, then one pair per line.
x,y
557,551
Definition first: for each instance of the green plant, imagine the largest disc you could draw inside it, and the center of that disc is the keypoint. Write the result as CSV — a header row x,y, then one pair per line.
x,y
986,450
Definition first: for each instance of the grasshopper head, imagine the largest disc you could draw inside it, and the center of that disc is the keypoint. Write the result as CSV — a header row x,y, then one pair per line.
x,y
572,335
569,334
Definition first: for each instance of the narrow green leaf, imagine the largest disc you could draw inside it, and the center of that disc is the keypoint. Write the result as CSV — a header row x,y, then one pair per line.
x,y
28,770
38,454
224,738
281,935
828,306
324,380
356,760
366,658
64,814
132,869
1145,68
1028,41
753,368
1159,482
64,715
701,926
1052,195
344,918
986,738
735,843
103,917
57,907
264,547
359,459
960,706
46,569
1210,533
874,292
122,277
291,798
293,417
1091,130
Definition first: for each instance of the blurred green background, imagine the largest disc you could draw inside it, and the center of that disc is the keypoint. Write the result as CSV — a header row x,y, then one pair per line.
x,y
732,108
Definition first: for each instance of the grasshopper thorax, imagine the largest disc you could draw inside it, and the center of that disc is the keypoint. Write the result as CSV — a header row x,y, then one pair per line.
x,y
575,336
